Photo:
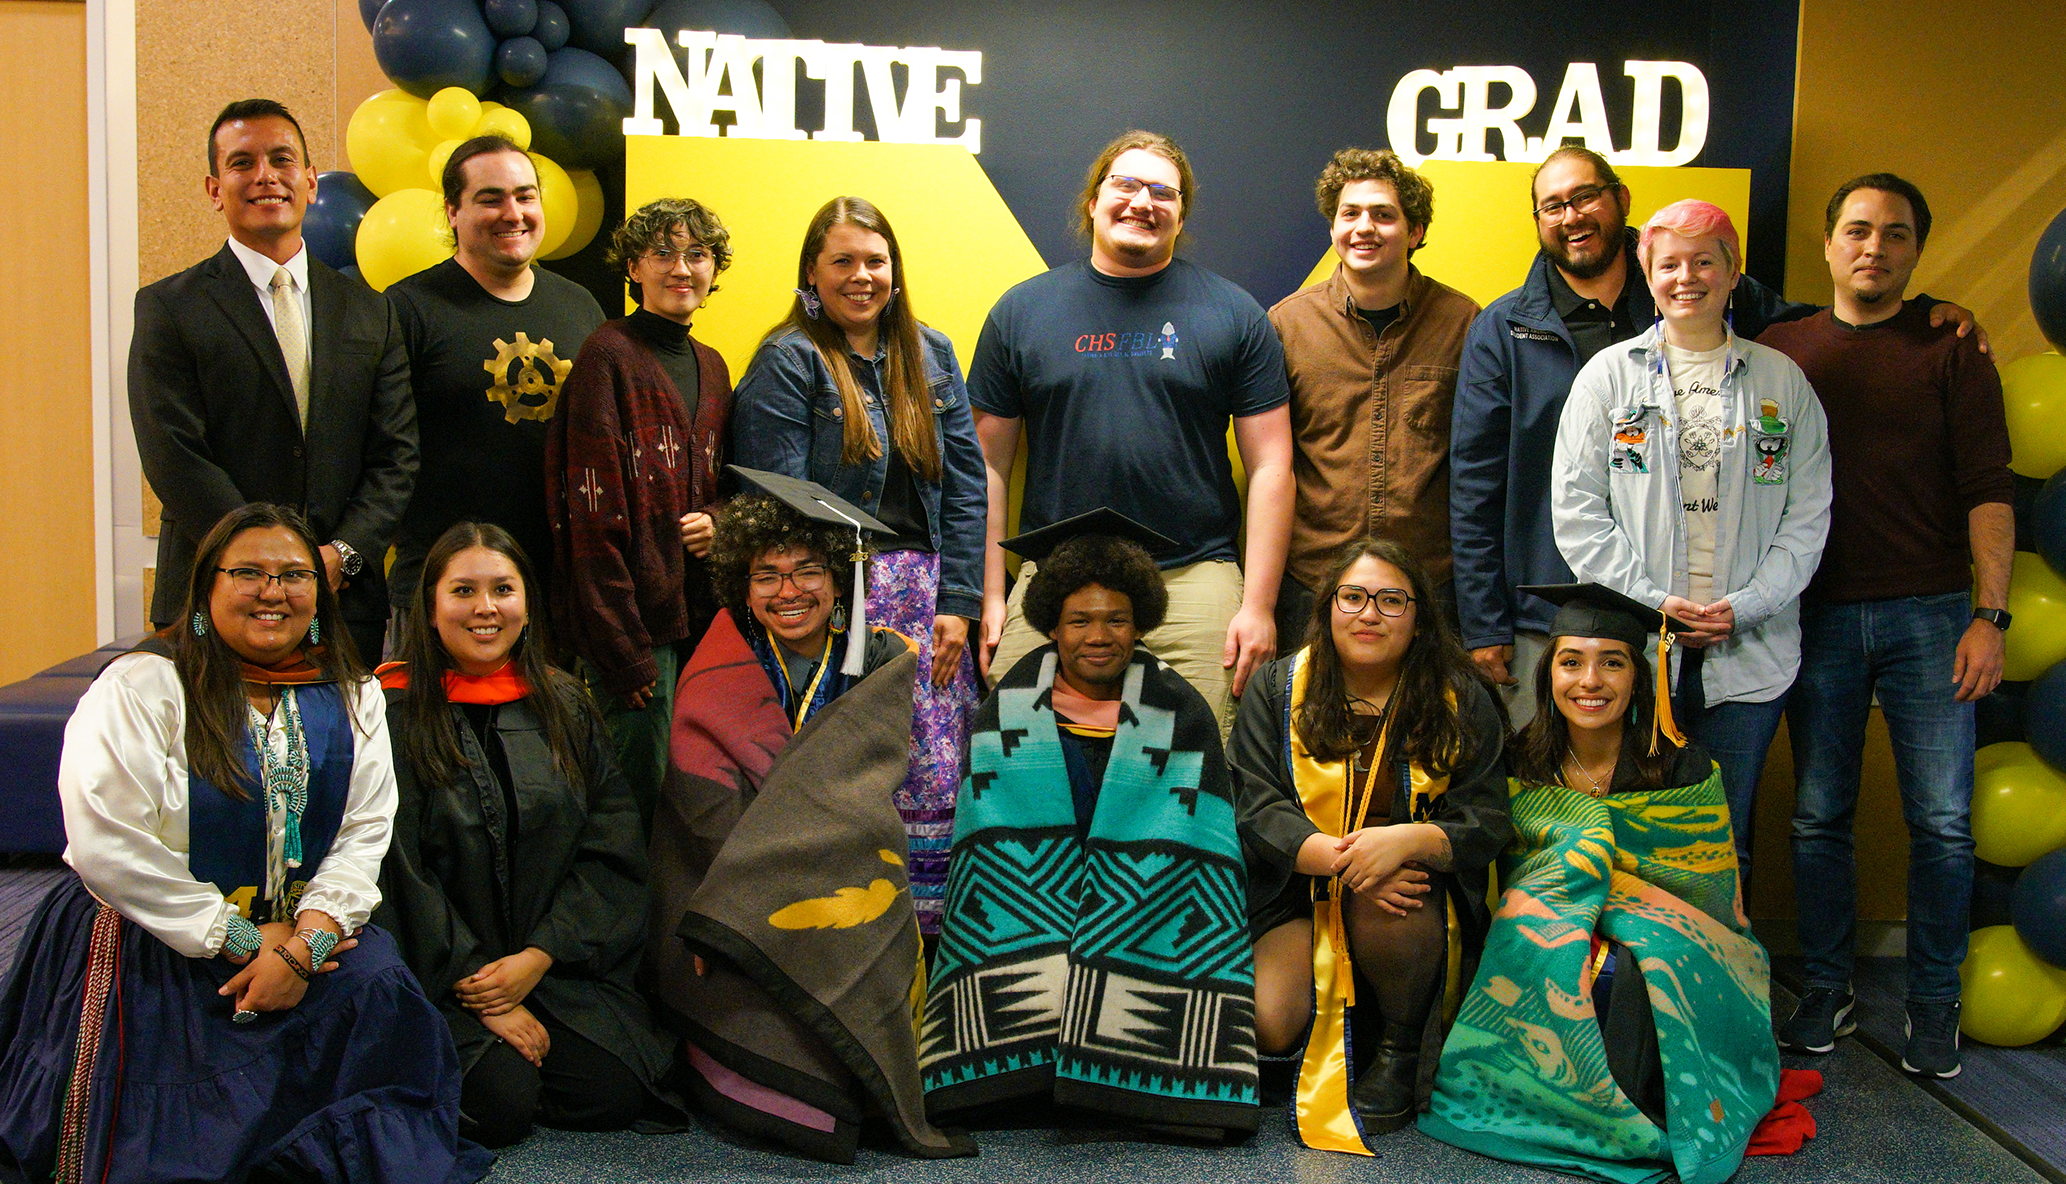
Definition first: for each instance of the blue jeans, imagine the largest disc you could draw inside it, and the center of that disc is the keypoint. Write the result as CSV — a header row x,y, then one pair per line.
x,y
1904,649
1737,736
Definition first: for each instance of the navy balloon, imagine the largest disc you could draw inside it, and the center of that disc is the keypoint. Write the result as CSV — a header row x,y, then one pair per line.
x,y
332,223
428,45
369,12
2048,282
2048,522
576,111
511,18
2044,716
747,18
598,25
2040,907
520,61
552,28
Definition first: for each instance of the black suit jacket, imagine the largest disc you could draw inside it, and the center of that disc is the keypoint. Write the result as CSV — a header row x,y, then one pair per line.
x,y
216,424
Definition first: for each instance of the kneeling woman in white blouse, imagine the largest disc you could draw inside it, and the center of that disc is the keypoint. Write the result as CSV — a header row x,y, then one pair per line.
x,y
203,1002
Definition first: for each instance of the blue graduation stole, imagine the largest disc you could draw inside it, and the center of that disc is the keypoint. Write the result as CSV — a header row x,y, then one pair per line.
x,y
226,837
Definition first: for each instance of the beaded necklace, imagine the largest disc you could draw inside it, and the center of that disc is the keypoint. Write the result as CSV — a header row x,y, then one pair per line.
x,y
285,778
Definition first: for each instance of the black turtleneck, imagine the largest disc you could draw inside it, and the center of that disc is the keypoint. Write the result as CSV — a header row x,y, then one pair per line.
x,y
669,341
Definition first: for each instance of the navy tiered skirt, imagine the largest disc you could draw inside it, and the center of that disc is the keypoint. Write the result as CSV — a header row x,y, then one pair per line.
x,y
358,1082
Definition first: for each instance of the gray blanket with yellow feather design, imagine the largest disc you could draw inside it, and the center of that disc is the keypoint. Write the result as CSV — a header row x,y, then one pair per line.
x,y
778,860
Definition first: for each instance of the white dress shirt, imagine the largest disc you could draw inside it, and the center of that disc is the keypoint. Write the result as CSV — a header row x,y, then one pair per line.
x,y
261,269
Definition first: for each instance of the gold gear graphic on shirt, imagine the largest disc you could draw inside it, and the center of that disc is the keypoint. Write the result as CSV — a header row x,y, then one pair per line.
x,y
534,393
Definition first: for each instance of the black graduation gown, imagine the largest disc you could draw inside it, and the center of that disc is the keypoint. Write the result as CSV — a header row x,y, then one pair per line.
x,y
458,895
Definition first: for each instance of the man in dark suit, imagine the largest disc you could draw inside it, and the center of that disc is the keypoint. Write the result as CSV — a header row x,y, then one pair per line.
x,y
260,374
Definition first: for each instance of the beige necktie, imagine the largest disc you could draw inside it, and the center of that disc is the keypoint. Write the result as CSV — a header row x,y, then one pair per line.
x,y
287,322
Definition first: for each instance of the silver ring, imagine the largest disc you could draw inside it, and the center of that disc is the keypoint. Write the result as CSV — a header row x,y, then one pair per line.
x,y
243,1017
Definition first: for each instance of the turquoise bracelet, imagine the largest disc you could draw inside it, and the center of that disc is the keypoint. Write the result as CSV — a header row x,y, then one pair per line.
x,y
320,943
239,938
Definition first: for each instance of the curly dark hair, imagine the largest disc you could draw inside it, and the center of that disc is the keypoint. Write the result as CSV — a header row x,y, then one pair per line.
x,y
751,526
654,225
1416,195
1102,559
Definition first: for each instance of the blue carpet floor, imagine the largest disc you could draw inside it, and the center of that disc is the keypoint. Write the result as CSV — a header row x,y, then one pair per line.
x,y
1876,1126
2018,1095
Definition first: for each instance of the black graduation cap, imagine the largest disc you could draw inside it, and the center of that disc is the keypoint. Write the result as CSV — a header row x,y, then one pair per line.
x,y
1595,610
1037,545
819,504
810,499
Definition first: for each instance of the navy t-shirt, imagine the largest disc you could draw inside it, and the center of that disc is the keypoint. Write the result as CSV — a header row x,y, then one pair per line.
x,y
1126,387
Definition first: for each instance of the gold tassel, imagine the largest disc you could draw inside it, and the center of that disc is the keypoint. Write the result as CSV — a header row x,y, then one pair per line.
x,y
1664,723
1338,937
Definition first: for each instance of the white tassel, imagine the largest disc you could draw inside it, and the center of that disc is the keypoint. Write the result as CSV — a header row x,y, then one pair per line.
x,y
857,630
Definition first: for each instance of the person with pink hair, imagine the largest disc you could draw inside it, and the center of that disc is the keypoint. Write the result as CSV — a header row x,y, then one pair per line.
x,y
1692,474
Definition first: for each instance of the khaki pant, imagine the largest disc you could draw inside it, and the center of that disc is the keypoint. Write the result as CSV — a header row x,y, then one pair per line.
x,y
1203,599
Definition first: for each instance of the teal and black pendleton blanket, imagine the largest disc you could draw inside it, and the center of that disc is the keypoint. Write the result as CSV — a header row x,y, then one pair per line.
x,y
1115,967
1525,1074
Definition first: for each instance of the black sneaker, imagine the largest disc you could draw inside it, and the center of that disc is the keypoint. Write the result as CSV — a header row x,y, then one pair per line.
x,y
1932,1038
1823,1015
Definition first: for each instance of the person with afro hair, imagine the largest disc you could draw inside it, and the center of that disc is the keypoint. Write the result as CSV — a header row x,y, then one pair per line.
x,y
1094,730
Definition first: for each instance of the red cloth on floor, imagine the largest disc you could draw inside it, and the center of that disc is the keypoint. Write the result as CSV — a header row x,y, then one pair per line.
x,y
1788,1125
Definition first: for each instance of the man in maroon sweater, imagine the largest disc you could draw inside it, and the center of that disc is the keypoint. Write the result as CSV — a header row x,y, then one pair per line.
x,y
1909,603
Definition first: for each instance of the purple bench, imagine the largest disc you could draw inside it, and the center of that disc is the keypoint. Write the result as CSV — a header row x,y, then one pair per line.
x,y
33,713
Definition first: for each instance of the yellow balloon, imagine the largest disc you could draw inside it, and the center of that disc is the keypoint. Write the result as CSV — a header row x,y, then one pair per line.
x,y
561,204
401,235
2037,598
2011,996
436,162
2033,392
388,141
2019,804
588,195
509,123
452,113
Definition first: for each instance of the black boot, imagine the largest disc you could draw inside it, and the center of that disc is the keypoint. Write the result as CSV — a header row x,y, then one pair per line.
x,y
1385,1096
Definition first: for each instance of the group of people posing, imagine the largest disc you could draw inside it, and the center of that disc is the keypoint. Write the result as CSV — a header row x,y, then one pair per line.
x,y
723,762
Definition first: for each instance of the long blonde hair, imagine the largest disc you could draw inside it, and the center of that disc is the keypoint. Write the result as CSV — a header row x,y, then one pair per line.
x,y
906,392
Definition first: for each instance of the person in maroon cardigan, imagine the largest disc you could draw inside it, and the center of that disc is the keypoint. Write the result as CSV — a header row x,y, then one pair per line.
x,y
631,472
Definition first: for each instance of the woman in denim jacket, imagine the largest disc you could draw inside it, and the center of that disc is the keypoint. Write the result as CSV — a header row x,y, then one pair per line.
x,y
852,392
1692,475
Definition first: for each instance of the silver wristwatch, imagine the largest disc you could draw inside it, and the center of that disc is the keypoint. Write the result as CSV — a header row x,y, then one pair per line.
x,y
347,559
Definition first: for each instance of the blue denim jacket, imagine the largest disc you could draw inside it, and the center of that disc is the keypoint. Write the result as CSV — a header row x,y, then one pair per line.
x,y
787,418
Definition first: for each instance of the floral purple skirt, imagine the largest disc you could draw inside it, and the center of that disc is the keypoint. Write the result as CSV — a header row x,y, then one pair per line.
x,y
903,587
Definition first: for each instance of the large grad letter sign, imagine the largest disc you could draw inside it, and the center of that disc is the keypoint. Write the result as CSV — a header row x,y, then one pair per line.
x,y
720,79
1579,114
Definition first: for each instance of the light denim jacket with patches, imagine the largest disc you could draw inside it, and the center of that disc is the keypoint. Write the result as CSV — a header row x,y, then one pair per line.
x,y
1620,521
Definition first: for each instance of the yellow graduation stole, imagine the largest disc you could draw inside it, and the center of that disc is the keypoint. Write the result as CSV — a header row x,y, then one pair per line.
x,y
1325,1118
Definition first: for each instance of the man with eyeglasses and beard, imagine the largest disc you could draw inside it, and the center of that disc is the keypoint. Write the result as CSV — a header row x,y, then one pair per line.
x,y
1518,364
1122,373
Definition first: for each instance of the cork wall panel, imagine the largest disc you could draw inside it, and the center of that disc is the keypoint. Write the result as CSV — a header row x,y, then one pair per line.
x,y
192,57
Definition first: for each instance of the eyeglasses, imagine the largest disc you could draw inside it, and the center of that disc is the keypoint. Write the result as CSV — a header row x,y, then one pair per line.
x,y
1126,186
808,578
666,256
1583,201
1391,602
252,582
